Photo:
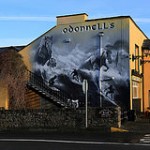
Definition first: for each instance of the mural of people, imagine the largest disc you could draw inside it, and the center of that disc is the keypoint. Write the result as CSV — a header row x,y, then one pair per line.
x,y
109,90
44,52
66,71
74,74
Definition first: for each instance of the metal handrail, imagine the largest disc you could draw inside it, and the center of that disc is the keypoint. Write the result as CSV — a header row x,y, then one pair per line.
x,y
42,87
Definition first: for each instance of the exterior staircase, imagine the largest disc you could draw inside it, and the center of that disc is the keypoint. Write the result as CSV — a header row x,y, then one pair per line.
x,y
37,84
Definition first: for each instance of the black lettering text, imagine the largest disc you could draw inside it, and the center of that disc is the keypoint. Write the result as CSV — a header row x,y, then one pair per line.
x,y
70,28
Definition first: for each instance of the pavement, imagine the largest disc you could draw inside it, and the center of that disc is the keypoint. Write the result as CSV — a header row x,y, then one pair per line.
x,y
137,131
139,127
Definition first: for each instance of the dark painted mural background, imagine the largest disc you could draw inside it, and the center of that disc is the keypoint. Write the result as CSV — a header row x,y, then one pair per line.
x,y
66,55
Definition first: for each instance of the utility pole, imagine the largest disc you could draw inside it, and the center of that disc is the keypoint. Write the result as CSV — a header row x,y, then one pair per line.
x,y
101,34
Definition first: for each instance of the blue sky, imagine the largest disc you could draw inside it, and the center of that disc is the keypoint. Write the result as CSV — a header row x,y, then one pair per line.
x,y
22,21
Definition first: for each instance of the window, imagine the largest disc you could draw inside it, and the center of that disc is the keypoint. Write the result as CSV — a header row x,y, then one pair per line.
x,y
135,89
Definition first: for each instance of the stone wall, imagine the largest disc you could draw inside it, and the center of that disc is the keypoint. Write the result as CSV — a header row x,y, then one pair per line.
x,y
57,118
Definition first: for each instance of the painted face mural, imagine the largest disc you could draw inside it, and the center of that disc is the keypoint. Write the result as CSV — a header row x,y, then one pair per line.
x,y
65,60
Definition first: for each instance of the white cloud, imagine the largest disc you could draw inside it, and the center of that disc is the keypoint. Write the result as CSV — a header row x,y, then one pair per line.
x,y
27,18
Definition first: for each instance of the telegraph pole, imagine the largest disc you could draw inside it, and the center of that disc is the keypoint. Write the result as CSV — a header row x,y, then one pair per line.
x,y
101,34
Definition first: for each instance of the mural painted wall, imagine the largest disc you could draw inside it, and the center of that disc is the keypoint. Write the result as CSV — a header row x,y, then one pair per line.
x,y
70,53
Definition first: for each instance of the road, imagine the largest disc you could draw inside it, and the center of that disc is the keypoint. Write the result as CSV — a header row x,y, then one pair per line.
x,y
37,144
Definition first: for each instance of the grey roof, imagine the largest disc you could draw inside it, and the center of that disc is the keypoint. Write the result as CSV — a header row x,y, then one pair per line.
x,y
17,48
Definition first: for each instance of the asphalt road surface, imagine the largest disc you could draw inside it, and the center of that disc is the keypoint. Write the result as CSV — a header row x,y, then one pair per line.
x,y
37,144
